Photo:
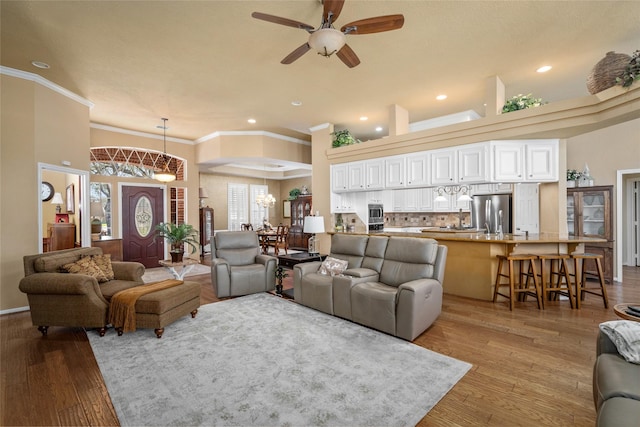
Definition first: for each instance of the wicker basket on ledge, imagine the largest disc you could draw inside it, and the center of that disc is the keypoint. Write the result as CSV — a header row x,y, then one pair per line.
x,y
603,76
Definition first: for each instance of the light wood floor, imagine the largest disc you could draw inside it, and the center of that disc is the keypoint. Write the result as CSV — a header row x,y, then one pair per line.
x,y
530,367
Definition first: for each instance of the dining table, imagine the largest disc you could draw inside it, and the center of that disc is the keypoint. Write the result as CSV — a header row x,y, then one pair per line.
x,y
266,235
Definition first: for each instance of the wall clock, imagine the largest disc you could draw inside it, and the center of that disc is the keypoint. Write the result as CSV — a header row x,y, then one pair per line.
x,y
46,191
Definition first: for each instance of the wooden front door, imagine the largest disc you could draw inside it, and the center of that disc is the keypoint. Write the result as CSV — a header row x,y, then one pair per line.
x,y
141,212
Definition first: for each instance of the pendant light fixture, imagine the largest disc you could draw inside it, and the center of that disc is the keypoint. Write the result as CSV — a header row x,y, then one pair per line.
x,y
266,201
164,174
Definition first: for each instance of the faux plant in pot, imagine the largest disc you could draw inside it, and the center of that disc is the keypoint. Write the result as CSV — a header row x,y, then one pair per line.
x,y
572,177
178,236
280,275
521,102
343,137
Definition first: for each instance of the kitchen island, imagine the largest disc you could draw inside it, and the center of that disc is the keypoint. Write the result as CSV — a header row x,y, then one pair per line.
x,y
471,260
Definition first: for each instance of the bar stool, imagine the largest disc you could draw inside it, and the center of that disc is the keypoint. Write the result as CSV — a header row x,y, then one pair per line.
x,y
558,270
521,287
581,276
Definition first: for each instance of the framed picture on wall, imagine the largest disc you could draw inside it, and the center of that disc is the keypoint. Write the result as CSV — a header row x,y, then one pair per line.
x,y
286,209
71,204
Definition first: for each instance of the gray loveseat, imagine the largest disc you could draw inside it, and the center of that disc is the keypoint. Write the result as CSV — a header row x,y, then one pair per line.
x,y
616,387
237,265
392,284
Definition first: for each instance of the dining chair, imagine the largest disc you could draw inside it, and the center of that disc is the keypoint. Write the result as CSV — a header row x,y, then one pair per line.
x,y
246,227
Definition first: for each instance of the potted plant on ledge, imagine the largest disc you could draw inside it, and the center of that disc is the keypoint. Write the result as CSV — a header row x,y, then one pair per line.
x,y
178,236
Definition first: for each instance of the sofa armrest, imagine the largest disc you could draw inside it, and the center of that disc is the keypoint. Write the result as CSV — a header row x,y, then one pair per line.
x,y
221,277
306,268
59,284
419,303
605,345
265,259
126,270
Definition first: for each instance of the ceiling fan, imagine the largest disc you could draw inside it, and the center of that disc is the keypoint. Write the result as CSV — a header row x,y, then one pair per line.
x,y
326,40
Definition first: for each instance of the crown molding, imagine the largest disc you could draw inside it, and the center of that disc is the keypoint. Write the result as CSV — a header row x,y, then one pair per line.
x,y
46,83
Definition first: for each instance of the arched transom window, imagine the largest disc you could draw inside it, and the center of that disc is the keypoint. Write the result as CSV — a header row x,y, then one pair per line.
x,y
132,162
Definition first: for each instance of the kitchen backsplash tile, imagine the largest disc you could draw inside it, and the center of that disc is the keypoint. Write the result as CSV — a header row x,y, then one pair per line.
x,y
424,219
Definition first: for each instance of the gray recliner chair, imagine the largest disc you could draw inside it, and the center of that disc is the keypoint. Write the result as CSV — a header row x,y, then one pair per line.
x,y
237,265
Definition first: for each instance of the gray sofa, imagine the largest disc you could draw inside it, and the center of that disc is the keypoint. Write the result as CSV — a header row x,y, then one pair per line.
x,y
616,387
238,266
392,284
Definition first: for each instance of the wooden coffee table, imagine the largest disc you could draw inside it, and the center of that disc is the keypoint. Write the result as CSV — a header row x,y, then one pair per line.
x,y
622,311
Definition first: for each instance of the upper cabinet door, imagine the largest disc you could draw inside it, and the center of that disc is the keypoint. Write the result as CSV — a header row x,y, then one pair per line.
x,y
374,170
357,176
443,167
542,161
418,170
394,168
472,164
508,161
339,182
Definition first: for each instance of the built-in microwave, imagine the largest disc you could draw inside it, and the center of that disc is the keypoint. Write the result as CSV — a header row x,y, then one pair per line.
x,y
376,217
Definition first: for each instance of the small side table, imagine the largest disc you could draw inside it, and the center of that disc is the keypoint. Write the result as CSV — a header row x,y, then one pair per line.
x,y
186,266
622,311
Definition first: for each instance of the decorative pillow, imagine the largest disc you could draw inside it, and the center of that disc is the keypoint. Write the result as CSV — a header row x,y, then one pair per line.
x,y
86,266
104,263
333,266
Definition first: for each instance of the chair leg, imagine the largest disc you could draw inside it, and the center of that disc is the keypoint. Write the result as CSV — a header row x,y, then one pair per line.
x,y
603,288
43,330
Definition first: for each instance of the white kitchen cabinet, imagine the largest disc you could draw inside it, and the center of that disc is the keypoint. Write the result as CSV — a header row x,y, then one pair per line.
x,y
374,171
508,161
529,160
342,203
542,161
443,167
412,200
339,182
472,164
356,175
417,169
394,168
526,208
425,199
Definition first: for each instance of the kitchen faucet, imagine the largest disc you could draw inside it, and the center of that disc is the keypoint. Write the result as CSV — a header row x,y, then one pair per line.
x,y
486,225
460,219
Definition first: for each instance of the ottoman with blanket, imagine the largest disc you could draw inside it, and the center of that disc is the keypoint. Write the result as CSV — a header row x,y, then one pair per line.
x,y
154,305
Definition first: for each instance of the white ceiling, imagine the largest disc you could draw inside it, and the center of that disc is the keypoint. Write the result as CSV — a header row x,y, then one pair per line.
x,y
209,66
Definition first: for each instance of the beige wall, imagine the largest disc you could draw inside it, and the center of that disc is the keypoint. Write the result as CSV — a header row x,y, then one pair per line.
x,y
38,125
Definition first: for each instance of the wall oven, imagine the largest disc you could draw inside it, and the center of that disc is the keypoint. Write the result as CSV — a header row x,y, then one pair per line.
x,y
376,217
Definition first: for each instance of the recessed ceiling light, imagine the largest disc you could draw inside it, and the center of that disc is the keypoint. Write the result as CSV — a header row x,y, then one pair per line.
x,y
544,69
40,64
252,121
296,103
441,97
379,129
364,118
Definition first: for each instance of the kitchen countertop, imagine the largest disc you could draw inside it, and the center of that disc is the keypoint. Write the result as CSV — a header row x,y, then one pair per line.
x,y
480,237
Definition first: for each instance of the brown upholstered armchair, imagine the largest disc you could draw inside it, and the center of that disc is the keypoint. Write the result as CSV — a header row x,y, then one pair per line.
x,y
65,299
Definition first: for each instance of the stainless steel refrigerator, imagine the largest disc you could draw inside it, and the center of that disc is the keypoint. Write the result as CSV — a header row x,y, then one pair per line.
x,y
492,210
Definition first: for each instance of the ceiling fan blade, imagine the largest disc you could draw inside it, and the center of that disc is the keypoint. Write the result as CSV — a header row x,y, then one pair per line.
x,y
296,54
282,21
348,56
374,25
334,6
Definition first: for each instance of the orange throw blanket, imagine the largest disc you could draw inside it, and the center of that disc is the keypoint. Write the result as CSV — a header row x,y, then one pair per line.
x,y
122,310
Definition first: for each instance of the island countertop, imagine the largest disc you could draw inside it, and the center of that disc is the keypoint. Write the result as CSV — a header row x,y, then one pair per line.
x,y
472,265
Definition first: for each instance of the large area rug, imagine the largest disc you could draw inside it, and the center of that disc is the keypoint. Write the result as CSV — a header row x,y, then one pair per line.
x,y
260,360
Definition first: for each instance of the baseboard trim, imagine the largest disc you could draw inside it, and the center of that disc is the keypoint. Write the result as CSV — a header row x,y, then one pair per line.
x,y
14,310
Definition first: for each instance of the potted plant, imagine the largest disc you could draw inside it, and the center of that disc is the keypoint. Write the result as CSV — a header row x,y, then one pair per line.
x,y
293,194
280,274
178,236
572,176
631,71
343,137
521,102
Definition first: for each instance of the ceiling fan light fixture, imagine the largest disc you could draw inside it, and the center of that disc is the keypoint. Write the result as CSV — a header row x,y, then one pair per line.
x,y
327,41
